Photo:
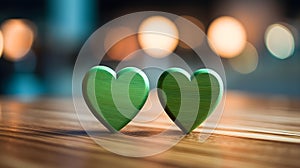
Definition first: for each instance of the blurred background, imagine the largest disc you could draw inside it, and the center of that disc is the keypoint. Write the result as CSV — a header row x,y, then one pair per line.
x,y
258,41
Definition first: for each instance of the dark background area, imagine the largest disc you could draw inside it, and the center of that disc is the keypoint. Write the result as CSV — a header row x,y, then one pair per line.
x,y
62,27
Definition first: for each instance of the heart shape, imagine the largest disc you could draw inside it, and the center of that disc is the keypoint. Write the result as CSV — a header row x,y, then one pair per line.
x,y
189,99
115,99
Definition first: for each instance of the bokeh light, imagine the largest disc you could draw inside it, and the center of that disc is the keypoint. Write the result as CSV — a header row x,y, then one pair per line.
x,y
247,61
227,36
119,49
18,37
158,36
280,41
185,32
1,43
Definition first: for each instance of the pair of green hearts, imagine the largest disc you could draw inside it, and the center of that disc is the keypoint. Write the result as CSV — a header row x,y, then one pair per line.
x,y
116,98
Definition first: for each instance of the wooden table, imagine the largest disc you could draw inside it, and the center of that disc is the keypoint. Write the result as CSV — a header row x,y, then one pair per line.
x,y
253,132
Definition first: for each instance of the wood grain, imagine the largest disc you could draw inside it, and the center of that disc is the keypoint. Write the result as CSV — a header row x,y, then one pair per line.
x,y
253,132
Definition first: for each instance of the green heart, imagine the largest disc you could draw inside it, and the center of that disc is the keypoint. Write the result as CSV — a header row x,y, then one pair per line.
x,y
115,99
189,99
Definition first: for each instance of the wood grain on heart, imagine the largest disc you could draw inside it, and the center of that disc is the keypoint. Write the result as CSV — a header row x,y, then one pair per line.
x,y
189,99
115,99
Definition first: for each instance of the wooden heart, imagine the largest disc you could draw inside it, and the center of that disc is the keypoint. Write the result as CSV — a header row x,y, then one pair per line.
x,y
115,99
189,99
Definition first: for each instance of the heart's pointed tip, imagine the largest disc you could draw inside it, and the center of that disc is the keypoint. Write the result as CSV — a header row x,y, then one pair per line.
x,y
187,132
183,128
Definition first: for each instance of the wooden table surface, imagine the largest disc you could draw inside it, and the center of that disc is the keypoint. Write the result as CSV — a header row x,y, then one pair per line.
x,y
254,131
